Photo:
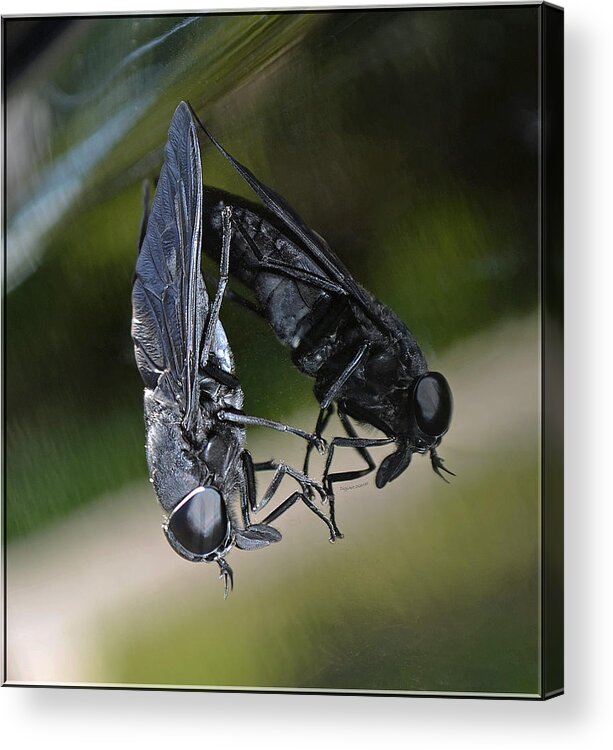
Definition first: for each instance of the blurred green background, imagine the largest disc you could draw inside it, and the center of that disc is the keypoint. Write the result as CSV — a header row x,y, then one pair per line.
x,y
409,139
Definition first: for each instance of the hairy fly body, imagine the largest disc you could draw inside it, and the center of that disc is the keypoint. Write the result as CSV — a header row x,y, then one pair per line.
x,y
202,474
363,358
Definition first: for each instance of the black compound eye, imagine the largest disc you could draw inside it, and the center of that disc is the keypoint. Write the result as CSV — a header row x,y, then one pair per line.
x,y
432,402
200,523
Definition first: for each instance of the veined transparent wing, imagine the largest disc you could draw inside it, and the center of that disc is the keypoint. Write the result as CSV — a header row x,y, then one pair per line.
x,y
169,300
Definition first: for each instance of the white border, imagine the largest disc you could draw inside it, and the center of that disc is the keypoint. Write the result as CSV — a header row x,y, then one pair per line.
x,y
581,718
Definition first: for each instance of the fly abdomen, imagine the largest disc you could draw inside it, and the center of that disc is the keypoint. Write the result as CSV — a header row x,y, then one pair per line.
x,y
320,336
288,286
290,306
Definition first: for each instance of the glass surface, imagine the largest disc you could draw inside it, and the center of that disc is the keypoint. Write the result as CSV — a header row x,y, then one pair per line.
x,y
409,140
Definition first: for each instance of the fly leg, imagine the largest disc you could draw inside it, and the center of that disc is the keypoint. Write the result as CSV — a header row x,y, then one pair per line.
x,y
248,492
322,421
236,297
332,394
255,536
324,414
213,318
360,444
244,419
361,449
291,500
285,505
353,365
305,484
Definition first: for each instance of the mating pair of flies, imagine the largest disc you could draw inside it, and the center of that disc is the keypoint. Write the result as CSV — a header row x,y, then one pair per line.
x,y
365,362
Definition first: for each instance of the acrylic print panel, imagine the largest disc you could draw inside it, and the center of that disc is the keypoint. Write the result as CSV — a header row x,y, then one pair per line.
x,y
412,141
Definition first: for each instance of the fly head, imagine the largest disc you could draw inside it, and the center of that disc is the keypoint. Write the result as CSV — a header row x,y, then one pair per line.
x,y
198,529
429,417
431,413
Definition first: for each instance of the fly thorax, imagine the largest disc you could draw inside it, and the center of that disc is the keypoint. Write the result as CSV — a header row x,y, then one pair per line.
x,y
173,464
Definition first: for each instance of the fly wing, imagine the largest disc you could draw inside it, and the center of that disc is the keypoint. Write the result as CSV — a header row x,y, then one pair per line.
x,y
316,247
169,299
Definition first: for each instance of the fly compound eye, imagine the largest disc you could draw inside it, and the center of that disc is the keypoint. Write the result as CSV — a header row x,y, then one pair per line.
x,y
199,523
432,402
